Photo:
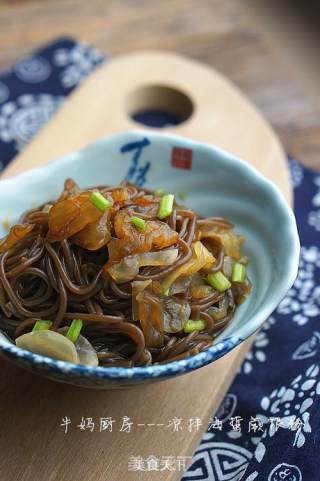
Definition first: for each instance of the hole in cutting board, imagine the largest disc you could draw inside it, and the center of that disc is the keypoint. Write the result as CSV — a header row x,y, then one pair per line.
x,y
159,106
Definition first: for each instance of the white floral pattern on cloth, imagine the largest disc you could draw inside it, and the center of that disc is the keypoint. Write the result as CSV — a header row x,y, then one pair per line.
x,y
303,299
309,348
285,472
314,215
20,120
257,352
77,63
33,70
281,472
296,172
291,404
4,92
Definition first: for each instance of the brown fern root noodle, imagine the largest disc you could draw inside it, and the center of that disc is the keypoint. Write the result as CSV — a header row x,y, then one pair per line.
x,y
135,289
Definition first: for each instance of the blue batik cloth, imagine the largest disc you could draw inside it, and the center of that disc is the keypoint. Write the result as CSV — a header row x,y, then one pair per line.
x,y
268,426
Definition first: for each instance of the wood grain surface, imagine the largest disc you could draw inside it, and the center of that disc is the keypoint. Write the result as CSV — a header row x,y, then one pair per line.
x,y
222,115
220,33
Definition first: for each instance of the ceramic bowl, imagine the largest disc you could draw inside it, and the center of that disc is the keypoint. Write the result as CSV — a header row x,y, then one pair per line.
x,y
216,184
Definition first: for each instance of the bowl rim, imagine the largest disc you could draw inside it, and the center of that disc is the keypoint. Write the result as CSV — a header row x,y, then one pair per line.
x,y
222,346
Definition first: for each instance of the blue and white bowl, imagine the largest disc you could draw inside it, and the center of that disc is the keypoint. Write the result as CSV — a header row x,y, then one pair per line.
x,y
216,184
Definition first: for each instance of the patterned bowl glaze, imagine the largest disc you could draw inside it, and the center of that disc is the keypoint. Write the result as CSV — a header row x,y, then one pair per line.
x,y
216,183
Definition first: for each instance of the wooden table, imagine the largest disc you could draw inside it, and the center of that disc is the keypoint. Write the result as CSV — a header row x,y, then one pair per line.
x,y
221,33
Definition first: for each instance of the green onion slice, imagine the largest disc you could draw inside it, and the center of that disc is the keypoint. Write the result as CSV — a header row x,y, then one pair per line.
x,y
238,272
166,205
219,281
42,326
191,326
138,223
100,202
74,330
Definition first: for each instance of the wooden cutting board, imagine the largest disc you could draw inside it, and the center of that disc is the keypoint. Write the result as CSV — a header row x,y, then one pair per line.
x,y
33,445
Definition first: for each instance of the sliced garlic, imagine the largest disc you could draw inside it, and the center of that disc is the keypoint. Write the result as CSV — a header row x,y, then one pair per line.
x,y
86,352
49,343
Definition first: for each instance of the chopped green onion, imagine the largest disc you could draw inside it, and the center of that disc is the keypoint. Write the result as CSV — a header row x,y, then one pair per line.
x,y
191,326
159,192
138,223
42,326
74,330
238,272
244,260
100,202
219,281
166,292
166,205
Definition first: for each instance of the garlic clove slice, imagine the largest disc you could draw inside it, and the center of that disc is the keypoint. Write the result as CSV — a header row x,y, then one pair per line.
x,y
86,352
49,343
